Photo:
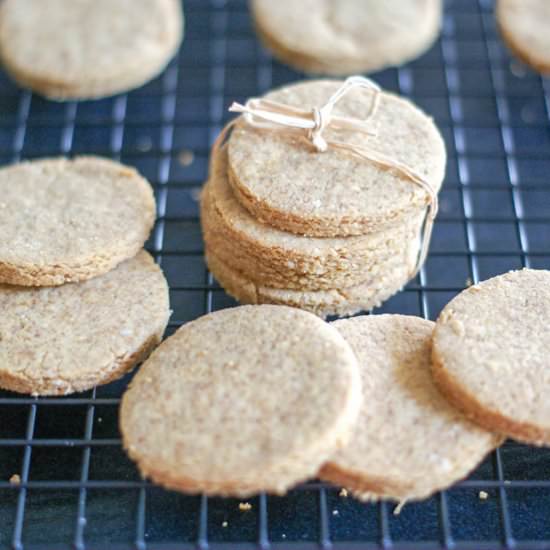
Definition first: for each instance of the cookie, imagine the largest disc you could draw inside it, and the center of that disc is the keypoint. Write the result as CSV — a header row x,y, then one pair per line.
x,y
285,183
69,220
86,49
240,401
351,36
281,259
408,442
491,354
525,27
324,303
66,339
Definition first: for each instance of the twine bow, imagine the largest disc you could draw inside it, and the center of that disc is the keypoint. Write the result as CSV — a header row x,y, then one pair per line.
x,y
311,124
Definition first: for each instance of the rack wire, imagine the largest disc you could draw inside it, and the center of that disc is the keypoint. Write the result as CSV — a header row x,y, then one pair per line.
x,y
77,488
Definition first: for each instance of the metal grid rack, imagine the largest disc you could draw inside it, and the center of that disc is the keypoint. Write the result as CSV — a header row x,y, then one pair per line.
x,y
78,489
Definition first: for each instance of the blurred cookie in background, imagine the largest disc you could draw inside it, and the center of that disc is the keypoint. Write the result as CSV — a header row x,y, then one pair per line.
x,y
87,49
347,36
525,27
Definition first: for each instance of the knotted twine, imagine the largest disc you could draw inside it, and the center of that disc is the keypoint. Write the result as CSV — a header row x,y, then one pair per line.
x,y
310,124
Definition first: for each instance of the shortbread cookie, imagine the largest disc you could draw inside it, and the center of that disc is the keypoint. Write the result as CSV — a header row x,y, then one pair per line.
x,y
262,274
525,26
88,48
408,442
491,354
240,401
324,303
282,181
281,259
348,36
69,220
57,341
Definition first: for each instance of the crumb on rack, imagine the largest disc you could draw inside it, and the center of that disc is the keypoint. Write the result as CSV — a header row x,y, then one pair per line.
x,y
186,157
399,507
224,524
483,495
343,493
144,144
245,506
15,479
335,513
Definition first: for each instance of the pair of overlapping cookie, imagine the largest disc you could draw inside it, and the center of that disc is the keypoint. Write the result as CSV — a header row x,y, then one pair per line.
x,y
259,398
322,197
81,302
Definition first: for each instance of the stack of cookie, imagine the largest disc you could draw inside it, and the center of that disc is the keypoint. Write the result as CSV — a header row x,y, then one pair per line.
x,y
333,230
81,302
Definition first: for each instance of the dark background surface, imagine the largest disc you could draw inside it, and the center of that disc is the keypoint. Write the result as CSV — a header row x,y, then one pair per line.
x,y
79,489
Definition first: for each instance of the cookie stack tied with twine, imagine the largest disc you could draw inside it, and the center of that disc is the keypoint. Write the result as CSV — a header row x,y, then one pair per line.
x,y
81,302
322,196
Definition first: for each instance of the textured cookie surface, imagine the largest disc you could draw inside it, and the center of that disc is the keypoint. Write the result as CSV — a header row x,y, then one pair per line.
x,y
348,36
277,258
281,179
492,354
68,220
88,48
408,442
56,341
525,26
335,301
242,400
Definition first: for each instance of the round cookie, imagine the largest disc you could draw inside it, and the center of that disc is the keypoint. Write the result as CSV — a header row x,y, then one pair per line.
x,y
408,442
525,27
67,220
491,354
283,182
281,259
240,401
350,36
86,49
324,303
56,341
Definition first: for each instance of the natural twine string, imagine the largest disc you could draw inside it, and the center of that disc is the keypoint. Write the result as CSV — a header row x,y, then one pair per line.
x,y
270,115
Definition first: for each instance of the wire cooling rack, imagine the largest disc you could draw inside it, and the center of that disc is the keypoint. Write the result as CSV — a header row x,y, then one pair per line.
x,y
78,490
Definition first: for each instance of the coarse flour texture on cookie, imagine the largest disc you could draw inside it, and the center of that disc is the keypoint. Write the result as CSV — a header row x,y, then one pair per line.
x,y
281,259
333,301
348,36
525,26
88,48
60,340
492,354
67,220
408,442
243,400
284,182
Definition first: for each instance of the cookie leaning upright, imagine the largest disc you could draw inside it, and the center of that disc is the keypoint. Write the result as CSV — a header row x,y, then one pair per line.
x,y
240,401
348,36
408,442
70,338
285,182
491,354
85,49
67,220
525,27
